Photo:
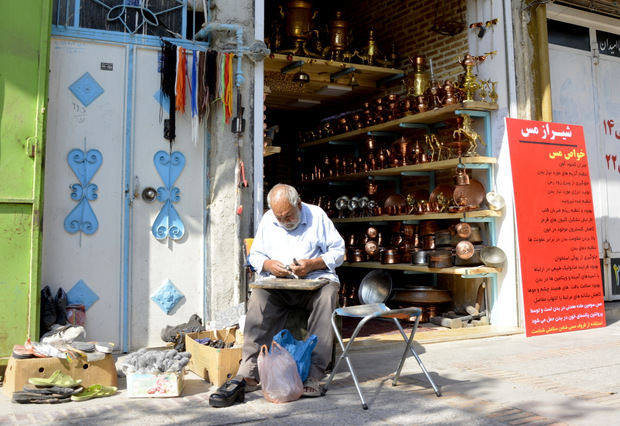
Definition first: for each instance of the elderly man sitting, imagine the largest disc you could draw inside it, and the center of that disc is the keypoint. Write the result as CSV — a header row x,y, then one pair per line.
x,y
292,238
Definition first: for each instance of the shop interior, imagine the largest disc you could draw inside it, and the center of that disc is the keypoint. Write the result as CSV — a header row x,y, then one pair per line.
x,y
362,115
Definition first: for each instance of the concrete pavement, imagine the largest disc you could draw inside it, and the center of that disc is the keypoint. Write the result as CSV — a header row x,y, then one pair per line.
x,y
493,377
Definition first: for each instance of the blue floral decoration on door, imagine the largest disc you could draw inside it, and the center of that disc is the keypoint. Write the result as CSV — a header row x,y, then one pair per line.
x,y
168,223
84,164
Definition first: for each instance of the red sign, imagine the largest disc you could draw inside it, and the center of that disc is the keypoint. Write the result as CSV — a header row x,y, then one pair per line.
x,y
558,249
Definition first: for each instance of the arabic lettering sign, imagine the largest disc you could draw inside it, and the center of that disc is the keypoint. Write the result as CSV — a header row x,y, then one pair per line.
x,y
608,43
560,268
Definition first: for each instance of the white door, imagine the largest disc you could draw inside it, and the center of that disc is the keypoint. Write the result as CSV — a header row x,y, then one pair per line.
x,y
584,92
137,264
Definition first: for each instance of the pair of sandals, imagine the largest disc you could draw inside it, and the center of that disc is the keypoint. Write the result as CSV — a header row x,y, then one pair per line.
x,y
59,387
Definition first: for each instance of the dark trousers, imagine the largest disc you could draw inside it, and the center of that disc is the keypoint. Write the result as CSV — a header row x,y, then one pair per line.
x,y
266,316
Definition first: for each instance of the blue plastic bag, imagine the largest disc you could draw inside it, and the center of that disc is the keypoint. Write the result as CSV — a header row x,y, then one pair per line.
x,y
300,351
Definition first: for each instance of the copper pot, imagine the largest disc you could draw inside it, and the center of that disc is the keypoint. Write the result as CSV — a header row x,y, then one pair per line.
x,y
428,227
419,257
357,255
389,256
440,259
475,237
428,242
443,238
406,246
409,230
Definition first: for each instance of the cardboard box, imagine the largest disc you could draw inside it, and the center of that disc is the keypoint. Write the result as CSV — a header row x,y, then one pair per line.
x,y
18,371
145,385
214,365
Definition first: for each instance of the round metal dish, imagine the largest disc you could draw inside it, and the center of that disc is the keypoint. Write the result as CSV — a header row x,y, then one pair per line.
x,y
493,257
473,193
395,200
375,287
495,201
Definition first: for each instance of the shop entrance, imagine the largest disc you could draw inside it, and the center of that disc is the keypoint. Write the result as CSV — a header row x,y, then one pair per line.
x,y
584,69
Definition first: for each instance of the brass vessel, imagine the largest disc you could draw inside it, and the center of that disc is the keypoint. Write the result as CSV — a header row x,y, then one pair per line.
x,y
338,36
298,25
418,82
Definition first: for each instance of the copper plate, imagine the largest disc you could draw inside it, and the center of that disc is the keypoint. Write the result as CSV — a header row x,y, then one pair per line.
x,y
395,200
447,190
463,230
464,249
474,192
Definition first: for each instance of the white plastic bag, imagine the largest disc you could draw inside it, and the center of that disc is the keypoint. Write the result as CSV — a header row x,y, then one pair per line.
x,y
279,377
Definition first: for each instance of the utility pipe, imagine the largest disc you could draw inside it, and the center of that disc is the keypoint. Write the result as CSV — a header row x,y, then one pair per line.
x,y
204,33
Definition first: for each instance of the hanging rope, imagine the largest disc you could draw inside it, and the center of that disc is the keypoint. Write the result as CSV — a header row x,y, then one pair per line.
x,y
180,80
167,85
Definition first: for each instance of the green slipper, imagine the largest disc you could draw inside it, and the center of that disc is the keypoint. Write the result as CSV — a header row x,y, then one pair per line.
x,y
88,393
56,379
107,391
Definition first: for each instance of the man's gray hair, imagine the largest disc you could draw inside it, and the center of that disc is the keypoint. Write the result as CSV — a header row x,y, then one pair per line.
x,y
282,190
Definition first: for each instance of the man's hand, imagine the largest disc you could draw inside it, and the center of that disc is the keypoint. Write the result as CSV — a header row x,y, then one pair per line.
x,y
305,266
276,268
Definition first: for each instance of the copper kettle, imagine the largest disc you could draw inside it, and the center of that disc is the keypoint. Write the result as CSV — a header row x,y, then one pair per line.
x,y
461,177
371,186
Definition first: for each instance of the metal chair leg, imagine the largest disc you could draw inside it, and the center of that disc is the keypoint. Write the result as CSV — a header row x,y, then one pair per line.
x,y
345,356
415,354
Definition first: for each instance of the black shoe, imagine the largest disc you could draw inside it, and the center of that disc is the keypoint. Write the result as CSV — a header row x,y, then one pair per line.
x,y
48,310
60,303
230,392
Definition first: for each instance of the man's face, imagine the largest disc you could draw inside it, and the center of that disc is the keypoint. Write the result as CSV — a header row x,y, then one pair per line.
x,y
288,216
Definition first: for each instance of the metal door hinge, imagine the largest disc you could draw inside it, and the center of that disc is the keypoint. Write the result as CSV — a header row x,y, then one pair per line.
x,y
32,144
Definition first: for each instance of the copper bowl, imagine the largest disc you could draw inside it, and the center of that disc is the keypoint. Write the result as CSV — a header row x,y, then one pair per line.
x,y
493,257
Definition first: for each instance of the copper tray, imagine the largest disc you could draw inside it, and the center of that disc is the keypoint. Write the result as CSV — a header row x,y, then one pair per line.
x,y
395,200
474,192
289,283
447,190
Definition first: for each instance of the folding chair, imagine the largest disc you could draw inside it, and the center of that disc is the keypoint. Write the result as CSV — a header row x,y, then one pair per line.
x,y
368,312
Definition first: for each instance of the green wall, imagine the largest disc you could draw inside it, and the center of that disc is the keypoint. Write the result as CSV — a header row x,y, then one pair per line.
x,y
25,27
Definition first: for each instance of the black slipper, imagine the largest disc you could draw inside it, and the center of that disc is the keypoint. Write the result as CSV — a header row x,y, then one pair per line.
x,y
37,398
54,390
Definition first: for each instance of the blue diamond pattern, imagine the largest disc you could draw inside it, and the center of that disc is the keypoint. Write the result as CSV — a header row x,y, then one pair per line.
x,y
81,294
86,89
167,296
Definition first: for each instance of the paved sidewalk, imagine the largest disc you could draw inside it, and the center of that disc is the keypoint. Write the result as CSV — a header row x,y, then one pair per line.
x,y
569,378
